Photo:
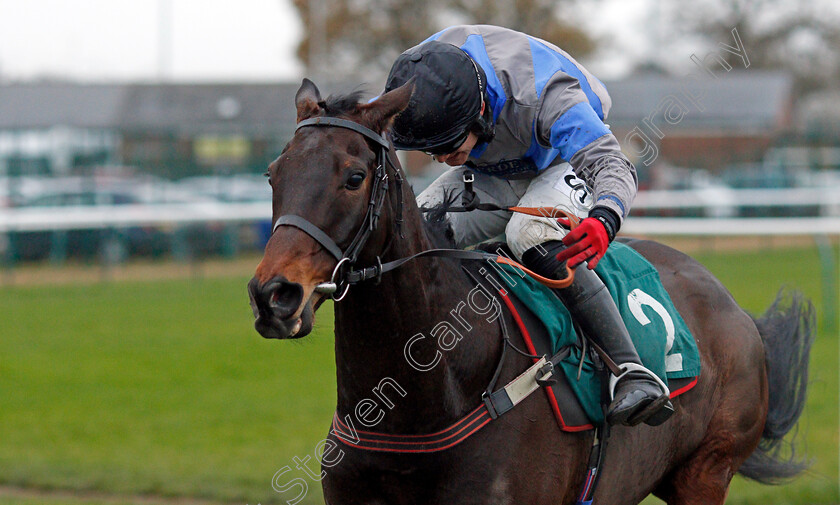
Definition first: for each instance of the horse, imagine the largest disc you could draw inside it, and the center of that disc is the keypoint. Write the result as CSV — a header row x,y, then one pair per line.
x,y
338,201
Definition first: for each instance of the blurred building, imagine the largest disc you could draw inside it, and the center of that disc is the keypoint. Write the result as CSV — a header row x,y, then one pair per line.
x,y
819,117
701,122
177,130
170,129
698,123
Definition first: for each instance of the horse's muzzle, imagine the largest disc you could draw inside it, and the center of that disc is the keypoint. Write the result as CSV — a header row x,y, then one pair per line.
x,y
275,305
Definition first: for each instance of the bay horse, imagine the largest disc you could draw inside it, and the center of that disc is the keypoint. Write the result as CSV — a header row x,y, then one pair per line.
x,y
338,202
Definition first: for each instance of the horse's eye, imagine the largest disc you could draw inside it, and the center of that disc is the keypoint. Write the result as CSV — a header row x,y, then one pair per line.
x,y
355,180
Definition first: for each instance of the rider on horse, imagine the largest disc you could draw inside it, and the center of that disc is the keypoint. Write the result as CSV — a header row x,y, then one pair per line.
x,y
528,122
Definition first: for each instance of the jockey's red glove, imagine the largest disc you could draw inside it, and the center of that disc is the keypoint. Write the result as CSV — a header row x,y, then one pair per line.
x,y
590,239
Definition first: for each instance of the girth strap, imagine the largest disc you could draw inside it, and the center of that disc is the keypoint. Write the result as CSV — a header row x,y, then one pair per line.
x,y
311,230
538,375
505,399
508,397
432,442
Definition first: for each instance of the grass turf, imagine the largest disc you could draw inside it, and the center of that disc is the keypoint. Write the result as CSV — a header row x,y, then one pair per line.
x,y
68,499
160,388
164,389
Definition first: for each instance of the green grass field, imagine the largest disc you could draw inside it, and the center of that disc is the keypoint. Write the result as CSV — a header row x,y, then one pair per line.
x,y
154,391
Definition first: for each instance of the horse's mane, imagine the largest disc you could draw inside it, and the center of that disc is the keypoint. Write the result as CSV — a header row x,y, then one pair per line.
x,y
343,104
438,226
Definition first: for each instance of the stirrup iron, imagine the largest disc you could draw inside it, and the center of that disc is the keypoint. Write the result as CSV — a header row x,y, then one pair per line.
x,y
633,367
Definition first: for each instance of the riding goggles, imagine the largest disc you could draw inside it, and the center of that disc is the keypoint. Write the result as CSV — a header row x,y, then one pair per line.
x,y
448,147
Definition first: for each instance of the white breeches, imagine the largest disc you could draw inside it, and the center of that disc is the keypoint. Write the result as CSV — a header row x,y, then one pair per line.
x,y
555,187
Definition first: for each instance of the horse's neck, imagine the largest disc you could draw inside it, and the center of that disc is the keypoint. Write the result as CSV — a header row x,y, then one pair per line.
x,y
438,378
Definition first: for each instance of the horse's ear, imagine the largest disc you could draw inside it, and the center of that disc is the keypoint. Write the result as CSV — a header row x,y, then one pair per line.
x,y
308,101
380,113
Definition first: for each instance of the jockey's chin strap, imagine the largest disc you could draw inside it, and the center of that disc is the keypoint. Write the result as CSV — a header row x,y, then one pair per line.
x,y
344,273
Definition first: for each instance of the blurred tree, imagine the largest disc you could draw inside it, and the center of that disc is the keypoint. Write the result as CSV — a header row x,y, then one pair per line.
x,y
363,37
801,37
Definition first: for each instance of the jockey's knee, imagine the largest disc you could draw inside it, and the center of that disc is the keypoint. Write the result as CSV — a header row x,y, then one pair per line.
x,y
524,232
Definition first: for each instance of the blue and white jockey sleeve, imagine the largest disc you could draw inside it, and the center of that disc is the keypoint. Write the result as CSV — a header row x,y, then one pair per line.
x,y
547,109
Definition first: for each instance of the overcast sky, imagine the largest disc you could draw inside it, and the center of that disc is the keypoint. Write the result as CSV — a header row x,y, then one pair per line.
x,y
214,40
122,39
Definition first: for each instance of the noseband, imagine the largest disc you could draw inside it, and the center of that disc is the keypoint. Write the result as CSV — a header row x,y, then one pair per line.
x,y
339,282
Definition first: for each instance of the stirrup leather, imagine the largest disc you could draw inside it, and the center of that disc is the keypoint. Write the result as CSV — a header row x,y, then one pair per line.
x,y
633,367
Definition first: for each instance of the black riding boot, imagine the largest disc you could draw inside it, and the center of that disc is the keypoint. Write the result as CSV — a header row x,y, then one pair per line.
x,y
638,397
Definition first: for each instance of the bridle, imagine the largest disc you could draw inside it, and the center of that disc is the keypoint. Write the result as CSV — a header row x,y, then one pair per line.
x,y
344,274
340,282
494,402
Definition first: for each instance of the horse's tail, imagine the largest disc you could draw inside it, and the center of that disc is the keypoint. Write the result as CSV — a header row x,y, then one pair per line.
x,y
787,329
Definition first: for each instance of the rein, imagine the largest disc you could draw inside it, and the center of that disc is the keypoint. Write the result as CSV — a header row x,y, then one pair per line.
x,y
344,274
495,402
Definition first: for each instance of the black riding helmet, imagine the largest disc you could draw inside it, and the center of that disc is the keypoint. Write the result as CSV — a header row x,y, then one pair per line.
x,y
446,105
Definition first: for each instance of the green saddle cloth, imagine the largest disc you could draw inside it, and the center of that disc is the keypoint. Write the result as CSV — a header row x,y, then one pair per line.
x,y
662,338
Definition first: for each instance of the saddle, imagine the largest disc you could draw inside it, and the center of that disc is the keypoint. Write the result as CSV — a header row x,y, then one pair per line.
x,y
576,407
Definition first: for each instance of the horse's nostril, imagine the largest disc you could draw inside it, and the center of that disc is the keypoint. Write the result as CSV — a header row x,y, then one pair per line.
x,y
284,297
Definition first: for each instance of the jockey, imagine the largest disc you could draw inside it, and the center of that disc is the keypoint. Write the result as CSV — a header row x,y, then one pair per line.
x,y
528,121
